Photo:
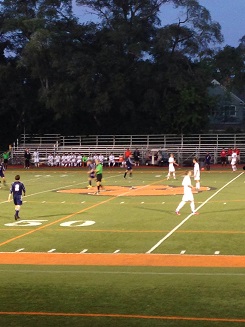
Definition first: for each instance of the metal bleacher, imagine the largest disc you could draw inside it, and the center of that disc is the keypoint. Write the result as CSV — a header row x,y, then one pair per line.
x,y
185,147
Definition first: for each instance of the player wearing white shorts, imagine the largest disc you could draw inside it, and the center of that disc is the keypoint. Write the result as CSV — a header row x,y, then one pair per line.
x,y
197,176
188,195
171,166
233,160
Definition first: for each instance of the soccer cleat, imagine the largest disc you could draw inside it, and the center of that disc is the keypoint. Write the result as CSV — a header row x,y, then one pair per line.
x,y
16,217
89,186
177,213
195,213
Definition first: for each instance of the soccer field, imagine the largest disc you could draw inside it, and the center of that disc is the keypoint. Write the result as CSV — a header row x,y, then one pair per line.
x,y
122,257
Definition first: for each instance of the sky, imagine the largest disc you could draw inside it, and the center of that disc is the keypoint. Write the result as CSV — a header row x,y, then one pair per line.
x,y
229,13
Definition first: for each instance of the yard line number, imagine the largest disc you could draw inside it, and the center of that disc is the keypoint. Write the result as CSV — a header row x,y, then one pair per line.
x,y
38,222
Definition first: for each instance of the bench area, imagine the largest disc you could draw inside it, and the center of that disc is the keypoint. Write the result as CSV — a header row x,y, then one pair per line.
x,y
184,147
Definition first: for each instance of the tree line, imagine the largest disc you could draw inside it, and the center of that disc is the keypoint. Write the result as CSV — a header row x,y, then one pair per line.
x,y
125,73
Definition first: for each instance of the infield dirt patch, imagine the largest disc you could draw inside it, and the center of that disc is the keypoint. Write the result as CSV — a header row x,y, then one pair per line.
x,y
133,190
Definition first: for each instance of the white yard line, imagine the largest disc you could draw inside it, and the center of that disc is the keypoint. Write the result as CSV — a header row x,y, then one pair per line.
x,y
188,217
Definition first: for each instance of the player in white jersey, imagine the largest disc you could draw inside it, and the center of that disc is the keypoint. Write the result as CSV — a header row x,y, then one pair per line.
x,y
171,166
79,160
111,160
188,195
35,156
233,160
197,174
101,159
57,160
50,160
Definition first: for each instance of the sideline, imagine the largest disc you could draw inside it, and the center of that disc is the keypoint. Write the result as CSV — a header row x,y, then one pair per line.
x,y
189,216
125,316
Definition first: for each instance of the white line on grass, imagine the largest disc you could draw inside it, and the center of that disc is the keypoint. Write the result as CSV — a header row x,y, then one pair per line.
x,y
189,216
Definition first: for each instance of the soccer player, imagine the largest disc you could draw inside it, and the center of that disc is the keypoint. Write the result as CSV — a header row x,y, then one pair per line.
x,y
6,155
188,195
17,189
35,156
98,171
2,169
207,161
171,166
27,156
111,160
233,160
91,172
223,155
129,164
196,174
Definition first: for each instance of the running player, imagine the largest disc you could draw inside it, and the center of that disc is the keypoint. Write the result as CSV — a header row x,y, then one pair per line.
x,y
17,189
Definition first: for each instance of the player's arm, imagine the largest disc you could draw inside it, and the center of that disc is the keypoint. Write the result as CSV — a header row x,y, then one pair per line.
x,y
9,197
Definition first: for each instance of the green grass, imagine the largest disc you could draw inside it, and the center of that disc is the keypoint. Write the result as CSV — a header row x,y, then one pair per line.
x,y
131,225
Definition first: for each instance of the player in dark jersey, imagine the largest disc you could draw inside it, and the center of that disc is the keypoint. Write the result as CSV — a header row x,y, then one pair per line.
x,y
91,172
17,189
129,165
2,173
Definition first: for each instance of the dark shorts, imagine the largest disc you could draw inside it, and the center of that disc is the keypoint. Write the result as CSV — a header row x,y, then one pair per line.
x,y
129,167
5,160
2,174
17,200
99,177
223,159
92,175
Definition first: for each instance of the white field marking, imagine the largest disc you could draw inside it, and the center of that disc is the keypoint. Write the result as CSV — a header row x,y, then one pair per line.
x,y
83,202
20,250
116,251
80,271
63,202
183,252
189,216
163,202
43,201
158,176
142,202
84,251
52,250
121,202
217,252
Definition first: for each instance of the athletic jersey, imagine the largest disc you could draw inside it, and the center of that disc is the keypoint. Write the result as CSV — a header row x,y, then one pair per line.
x,y
91,168
17,188
99,169
196,171
129,163
2,170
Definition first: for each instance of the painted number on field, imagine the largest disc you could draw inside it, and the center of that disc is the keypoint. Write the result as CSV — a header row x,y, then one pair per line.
x,y
78,223
25,223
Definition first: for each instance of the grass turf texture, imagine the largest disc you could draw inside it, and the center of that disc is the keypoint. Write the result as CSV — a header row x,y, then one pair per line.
x,y
132,225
